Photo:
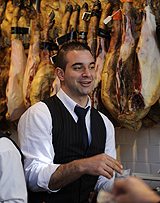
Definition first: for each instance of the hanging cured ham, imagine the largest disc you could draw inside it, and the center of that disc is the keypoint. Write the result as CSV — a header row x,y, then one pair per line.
x,y
74,19
5,53
44,77
117,75
4,74
2,9
6,23
14,92
108,87
59,8
103,40
83,24
23,25
63,37
93,27
126,97
126,62
33,59
65,20
149,59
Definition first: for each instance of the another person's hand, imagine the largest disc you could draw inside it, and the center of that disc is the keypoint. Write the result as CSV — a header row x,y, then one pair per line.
x,y
133,190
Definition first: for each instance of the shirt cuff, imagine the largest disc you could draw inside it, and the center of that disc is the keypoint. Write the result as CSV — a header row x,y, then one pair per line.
x,y
45,175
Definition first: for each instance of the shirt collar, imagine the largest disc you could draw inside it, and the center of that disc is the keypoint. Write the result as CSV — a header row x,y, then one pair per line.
x,y
68,102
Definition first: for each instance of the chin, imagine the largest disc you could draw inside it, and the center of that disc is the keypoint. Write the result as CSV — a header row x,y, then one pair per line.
x,y
86,93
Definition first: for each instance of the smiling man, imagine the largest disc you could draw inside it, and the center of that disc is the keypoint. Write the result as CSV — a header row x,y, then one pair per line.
x,y
59,166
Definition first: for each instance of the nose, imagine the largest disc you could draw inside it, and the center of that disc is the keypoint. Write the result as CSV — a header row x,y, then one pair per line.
x,y
86,72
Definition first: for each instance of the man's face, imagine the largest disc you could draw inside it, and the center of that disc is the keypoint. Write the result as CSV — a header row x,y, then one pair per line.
x,y
79,75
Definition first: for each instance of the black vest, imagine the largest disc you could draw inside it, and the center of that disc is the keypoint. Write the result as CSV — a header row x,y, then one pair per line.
x,y
68,146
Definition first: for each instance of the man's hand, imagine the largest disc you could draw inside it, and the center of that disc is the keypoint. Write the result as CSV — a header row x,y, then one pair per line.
x,y
101,164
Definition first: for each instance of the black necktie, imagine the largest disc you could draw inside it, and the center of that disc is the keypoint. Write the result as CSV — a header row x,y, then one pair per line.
x,y
81,113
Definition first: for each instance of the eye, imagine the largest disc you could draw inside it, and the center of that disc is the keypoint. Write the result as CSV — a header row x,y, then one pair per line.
x,y
78,67
92,66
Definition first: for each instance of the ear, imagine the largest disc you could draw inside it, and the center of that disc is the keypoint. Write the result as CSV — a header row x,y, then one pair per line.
x,y
60,73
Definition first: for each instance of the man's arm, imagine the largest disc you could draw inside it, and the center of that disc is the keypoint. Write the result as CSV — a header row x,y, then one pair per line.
x,y
101,164
35,138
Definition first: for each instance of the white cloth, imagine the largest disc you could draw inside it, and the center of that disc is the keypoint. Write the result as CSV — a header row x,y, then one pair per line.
x,y
12,180
35,137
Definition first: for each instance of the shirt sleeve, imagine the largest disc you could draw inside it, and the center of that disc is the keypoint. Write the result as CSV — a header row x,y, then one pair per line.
x,y
103,182
12,180
35,138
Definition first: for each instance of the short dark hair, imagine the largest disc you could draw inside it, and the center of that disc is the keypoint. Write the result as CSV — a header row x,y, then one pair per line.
x,y
66,47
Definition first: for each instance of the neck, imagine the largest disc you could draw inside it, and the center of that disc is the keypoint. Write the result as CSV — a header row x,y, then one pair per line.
x,y
80,100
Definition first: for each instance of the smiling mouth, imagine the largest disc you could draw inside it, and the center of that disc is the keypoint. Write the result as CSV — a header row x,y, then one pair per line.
x,y
86,83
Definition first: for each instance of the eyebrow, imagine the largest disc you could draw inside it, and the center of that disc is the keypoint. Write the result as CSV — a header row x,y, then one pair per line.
x,y
75,64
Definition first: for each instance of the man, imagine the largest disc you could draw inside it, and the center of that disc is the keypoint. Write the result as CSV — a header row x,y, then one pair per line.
x,y
56,157
12,180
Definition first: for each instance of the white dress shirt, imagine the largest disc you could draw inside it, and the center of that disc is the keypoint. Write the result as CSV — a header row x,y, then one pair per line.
x,y
35,137
12,180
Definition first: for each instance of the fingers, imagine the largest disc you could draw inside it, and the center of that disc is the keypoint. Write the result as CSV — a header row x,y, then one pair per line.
x,y
101,168
107,165
101,164
114,164
107,172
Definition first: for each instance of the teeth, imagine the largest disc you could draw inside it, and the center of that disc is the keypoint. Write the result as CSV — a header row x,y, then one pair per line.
x,y
86,82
